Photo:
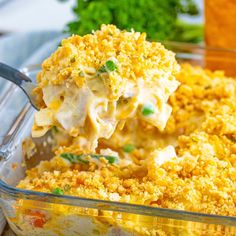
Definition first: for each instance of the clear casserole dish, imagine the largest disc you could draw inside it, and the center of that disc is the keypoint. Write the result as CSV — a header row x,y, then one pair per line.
x,y
27,211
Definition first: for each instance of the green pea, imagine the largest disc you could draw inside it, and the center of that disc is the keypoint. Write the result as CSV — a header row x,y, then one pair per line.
x,y
128,148
108,67
57,191
148,109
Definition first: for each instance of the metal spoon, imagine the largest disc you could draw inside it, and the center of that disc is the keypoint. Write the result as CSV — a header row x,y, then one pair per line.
x,y
21,80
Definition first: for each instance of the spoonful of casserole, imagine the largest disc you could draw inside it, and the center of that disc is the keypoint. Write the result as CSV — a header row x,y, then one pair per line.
x,y
91,85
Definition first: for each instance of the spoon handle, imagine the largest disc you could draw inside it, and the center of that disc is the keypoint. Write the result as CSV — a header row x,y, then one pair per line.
x,y
21,80
13,75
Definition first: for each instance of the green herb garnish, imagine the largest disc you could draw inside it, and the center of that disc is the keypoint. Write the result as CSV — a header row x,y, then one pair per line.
x,y
108,67
54,129
128,148
81,158
194,139
148,109
81,74
57,191
73,158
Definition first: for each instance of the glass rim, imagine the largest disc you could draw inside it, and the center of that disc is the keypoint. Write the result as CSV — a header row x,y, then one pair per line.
x,y
108,205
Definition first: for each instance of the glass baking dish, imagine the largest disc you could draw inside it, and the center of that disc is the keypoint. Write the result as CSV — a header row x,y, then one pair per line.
x,y
27,211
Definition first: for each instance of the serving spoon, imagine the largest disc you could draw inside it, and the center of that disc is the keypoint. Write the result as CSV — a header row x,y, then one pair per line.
x,y
41,151
21,80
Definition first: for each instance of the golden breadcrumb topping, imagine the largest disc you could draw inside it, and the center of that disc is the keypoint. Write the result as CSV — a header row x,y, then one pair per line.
x,y
203,95
200,177
136,57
